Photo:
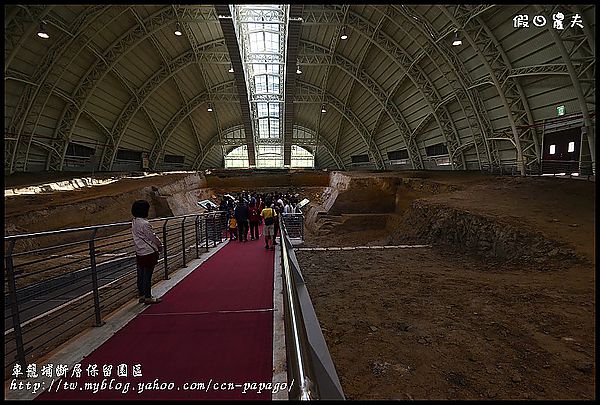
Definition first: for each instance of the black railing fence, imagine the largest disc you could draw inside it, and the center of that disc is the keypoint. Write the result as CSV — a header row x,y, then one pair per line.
x,y
58,283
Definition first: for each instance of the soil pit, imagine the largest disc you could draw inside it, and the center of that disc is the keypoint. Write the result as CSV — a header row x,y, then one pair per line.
x,y
502,306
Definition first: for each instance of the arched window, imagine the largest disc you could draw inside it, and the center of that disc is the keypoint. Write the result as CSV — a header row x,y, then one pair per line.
x,y
237,158
302,157
269,156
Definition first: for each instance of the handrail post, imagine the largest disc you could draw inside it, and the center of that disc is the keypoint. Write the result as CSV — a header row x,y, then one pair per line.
x,y
206,229
214,229
165,260
219,225
300,360
196,223
95,279
14,306
183,239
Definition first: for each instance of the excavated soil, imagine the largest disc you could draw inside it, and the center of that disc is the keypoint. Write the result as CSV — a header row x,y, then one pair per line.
x,y
502,306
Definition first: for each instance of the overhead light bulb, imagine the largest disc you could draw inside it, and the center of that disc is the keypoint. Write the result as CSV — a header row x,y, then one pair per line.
x,y
42,32
344,35
177,30
298,71
209,109
231,68
457,41
323,110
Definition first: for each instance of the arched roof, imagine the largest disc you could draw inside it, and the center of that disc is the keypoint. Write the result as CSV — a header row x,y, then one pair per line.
x,y
115,78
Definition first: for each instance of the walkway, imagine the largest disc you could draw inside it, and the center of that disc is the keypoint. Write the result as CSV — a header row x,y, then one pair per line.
x,y
210,338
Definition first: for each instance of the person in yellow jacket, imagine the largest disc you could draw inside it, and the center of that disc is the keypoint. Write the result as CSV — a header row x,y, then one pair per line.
x,y
232,226
268,214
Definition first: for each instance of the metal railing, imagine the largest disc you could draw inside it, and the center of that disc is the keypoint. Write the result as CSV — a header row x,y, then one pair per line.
x,y
566,168
294,223
570,168
308,360
58,283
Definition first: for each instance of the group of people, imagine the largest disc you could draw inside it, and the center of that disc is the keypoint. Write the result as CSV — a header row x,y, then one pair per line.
x,y
250,210
245,213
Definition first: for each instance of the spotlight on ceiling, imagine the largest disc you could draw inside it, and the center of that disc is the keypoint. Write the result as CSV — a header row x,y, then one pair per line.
x,y
42,32
178,30
231,68
209,109
344,35
457,41
323,110
298,71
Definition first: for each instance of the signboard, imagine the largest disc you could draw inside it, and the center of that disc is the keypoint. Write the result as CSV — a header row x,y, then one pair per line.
x,y
302,203
207,204
560,110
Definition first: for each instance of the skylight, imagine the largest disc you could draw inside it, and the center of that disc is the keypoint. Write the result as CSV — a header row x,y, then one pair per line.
x,y
261,31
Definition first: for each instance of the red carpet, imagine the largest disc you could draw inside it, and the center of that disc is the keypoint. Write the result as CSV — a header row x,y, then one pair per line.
x,y
191,337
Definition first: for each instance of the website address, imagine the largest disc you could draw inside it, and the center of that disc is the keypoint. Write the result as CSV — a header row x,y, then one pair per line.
x,y
156,385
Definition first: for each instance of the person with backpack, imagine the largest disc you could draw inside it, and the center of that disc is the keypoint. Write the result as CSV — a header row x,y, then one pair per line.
x,y
268,214
277,209
241,215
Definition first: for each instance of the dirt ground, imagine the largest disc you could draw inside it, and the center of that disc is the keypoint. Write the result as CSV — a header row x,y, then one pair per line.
x,y
18,205
436,323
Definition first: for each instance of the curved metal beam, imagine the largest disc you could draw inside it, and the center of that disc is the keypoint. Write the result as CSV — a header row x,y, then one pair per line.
x,y
414,72
165,62
43,68
58,68
455,73
207,148
164,136
481,42
379,161
38,78
15,33
340,13
26,139
309,93
518,102
96,73
376,91
199,55
587,131
143,93
335,156
214,141
408,62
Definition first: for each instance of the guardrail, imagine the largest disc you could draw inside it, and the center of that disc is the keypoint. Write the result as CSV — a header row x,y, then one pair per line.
x,y
570,168
294,223
61,282
308,359
566,168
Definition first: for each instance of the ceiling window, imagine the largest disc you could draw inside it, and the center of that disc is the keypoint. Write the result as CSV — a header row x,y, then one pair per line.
x,y
262,31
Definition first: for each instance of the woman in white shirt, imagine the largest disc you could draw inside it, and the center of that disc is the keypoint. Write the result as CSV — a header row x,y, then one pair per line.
x,y
147,248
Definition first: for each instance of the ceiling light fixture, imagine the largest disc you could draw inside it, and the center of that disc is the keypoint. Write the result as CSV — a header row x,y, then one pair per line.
x,y
42,32
178,30
231,68
298,71
323,110
344,35
457,41
209,109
